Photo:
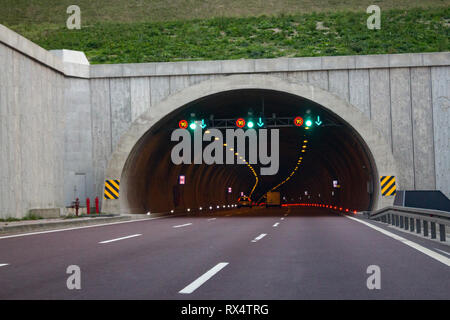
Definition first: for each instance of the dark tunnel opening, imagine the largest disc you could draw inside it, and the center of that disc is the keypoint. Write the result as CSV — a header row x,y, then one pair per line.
x,y
333,151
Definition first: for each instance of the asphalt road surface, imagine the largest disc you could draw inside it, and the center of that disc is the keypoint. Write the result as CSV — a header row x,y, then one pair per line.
x,y
280,253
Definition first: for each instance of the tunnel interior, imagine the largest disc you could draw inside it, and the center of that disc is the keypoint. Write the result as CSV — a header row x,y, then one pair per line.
x,y
327,163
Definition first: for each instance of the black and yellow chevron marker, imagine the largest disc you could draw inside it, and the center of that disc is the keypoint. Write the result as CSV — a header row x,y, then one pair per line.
x,y
112,189
387,184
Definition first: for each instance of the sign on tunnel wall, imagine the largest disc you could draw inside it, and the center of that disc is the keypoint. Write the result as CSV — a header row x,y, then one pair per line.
x,y
112,189
387,185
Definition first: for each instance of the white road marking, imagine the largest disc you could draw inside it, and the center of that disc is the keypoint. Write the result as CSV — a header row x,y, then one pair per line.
x,y
84,227
281,218
212,219
413,245
442,251
202,279
262,235
276,225
4,264
182,225
122,238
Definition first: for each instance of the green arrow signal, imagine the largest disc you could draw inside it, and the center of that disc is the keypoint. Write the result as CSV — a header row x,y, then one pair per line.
x,y
318,122
203,125
260,123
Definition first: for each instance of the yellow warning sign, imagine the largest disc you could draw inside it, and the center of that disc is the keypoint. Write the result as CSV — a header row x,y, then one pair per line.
x,y
387,184
112,189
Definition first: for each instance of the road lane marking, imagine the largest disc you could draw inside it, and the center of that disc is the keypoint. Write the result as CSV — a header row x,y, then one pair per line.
x,y
85,227
122,238
262,235
413,245
182,225
281,218
442,251
212,219
203,278
4,264
276,225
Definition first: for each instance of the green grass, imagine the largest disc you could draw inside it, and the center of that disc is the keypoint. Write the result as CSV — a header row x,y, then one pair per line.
x,y
27,217
235,34
35,12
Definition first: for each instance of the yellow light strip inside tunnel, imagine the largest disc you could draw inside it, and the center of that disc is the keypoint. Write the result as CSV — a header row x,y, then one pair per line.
x,y
238,157
244,161
299,162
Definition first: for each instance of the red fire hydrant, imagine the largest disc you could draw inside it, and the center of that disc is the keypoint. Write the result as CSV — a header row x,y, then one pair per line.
x,y
96,206
88,205
77,206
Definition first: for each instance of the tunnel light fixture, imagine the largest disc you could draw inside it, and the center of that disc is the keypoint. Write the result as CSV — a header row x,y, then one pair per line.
x,y
188,209
218,207
210,208
231,149
236,154
216,138
171,211
207,131
305,141
200,208
224,144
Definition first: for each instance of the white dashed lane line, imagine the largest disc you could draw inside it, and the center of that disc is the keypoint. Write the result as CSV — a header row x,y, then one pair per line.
x,y
212,219
122,238
262,235
276,225
203,278
4,264
182,225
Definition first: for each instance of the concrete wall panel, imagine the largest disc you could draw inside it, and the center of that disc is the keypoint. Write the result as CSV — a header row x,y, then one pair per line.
x,y
159,89
359,90
422,121
338,83
380,102
101,130
318,78
402,140
140,96
440,77
120,108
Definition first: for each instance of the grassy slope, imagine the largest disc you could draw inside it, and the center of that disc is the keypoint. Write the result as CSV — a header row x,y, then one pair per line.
x,y
161,32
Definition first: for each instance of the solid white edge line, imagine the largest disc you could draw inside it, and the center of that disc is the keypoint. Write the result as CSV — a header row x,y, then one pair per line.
x,y
409,243
122,238
83,227
442,251
4,264
203,278
182,225
262,235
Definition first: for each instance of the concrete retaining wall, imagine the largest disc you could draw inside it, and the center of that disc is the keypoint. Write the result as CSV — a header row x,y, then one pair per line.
x,y
60,121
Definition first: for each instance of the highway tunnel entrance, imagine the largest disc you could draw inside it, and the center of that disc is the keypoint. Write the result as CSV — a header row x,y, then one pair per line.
x,y
326,160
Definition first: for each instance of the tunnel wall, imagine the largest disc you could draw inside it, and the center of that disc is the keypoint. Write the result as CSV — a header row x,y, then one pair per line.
x,y
60,119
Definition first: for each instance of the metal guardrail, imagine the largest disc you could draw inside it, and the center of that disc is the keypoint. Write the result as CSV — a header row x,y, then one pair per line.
x,y
420,221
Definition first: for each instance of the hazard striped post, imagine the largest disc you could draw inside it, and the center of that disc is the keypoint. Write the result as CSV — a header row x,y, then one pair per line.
x,y
112,188
387,185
